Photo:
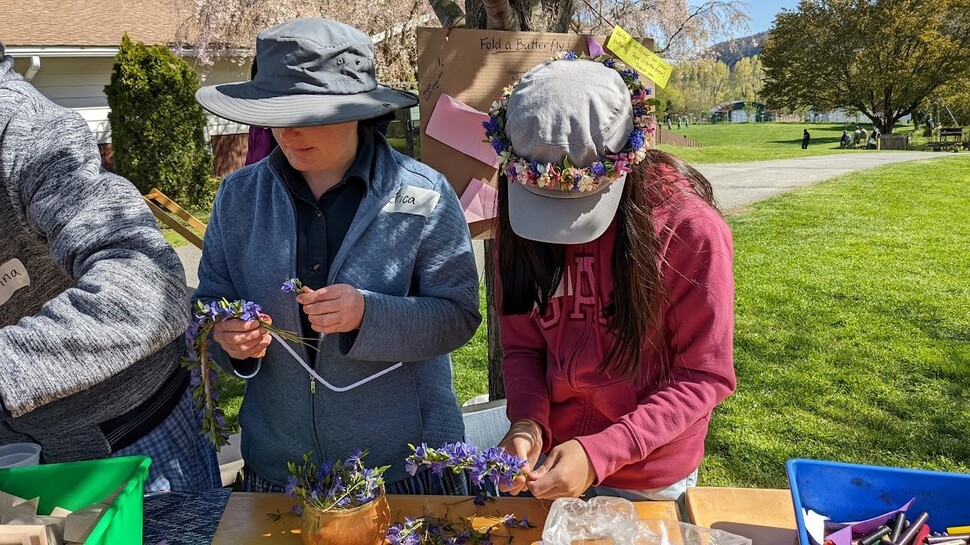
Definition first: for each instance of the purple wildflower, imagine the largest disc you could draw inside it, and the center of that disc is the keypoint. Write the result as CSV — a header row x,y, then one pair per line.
x,y
491,125
297,510
250,311
292,285
480,498
636,139
291,484
569,55
411,467
609,63
598,169
498,145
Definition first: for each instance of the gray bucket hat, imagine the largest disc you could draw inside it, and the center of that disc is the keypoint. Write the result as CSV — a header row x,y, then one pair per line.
x,y
312,71
578,109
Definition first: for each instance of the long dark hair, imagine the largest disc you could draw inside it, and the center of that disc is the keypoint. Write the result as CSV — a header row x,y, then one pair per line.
x,y
531,271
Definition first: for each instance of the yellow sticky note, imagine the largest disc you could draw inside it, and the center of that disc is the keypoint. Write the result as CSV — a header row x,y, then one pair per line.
x,y
638,57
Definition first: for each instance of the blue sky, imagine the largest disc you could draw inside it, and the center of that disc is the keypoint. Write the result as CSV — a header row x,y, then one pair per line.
x,y
763,12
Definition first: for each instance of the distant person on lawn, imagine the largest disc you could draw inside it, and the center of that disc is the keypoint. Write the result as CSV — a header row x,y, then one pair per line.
x,y
92,304
805,138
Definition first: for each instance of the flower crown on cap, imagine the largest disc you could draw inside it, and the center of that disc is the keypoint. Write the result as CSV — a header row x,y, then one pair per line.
x,y
568,177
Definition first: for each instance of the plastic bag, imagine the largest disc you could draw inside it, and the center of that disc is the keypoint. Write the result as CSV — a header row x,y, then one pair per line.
x,y
607,520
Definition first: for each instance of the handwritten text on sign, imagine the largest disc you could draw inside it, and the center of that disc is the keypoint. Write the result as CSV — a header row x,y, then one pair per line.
x,y
638,57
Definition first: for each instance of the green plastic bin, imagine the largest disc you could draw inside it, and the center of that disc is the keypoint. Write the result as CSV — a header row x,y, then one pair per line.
x,y
76,485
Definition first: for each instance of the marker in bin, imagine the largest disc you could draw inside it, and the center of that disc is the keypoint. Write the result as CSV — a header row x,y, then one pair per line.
x,y
900,532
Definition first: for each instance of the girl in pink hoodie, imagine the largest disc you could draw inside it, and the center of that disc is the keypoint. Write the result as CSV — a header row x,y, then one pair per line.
x,y
616,290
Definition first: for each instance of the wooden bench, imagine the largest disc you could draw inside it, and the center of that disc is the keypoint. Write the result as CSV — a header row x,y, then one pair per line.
x,y
950,138
169,212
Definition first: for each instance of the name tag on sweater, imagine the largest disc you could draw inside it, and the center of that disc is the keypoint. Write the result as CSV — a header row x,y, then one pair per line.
x,y
13,276
413,200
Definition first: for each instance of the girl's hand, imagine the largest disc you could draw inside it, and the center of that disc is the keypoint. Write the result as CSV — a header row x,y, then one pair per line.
x,y
241,339
524,440
566,473
334,309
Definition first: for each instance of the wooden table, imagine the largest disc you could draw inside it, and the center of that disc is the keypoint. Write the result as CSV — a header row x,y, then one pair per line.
x,y
246,520
763,515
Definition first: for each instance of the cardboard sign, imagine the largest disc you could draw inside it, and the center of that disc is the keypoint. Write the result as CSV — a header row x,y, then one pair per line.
x,y
473,66
638,57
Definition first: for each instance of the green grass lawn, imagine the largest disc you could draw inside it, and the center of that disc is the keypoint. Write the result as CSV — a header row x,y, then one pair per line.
x,y
853,327
743,142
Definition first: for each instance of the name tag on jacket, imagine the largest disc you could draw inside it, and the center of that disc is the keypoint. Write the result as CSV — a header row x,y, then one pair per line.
x,y
13,276
413,200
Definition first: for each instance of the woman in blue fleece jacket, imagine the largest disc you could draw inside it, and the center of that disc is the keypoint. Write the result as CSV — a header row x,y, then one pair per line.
x,y
379,239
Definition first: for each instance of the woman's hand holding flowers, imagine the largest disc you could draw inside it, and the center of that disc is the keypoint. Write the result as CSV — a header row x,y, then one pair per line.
x,y
566,473
524,439
333,309
243,339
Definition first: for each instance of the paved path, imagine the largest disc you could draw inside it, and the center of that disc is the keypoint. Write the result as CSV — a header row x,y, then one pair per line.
x,y
739,184
735,184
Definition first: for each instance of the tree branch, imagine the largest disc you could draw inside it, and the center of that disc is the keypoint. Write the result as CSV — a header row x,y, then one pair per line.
x,y
703,8
448,11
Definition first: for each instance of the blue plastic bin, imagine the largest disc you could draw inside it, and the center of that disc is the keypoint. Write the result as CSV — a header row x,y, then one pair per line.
x,y
851,492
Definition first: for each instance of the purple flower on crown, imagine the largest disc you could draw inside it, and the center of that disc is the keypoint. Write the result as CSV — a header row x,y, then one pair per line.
x,y
498,145
569,55
609,63
598,169
491,125
636,139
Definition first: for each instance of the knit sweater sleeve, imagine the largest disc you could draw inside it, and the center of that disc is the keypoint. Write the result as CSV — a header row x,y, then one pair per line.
x,y
697,268
129,298
444,297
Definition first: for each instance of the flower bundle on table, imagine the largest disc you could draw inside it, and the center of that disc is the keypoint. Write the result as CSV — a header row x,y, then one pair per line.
x,y
334,485
428,530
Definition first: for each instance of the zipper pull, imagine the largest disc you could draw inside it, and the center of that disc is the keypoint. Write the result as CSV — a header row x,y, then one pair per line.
x,y
313,385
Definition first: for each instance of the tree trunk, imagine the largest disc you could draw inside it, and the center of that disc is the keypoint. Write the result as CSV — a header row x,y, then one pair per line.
x,y
530,15
526,15
496,382
447,11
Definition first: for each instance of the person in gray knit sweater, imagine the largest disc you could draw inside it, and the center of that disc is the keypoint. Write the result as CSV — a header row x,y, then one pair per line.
x,y
92,304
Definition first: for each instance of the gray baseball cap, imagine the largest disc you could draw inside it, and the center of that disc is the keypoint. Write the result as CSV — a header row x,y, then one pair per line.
x,y
575,108
312,71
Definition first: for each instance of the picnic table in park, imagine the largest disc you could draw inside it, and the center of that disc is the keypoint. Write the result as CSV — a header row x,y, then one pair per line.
x,y
950,138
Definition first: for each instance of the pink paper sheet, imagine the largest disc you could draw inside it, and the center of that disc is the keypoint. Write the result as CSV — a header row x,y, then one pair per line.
x,y
459,126
479,201
844,536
